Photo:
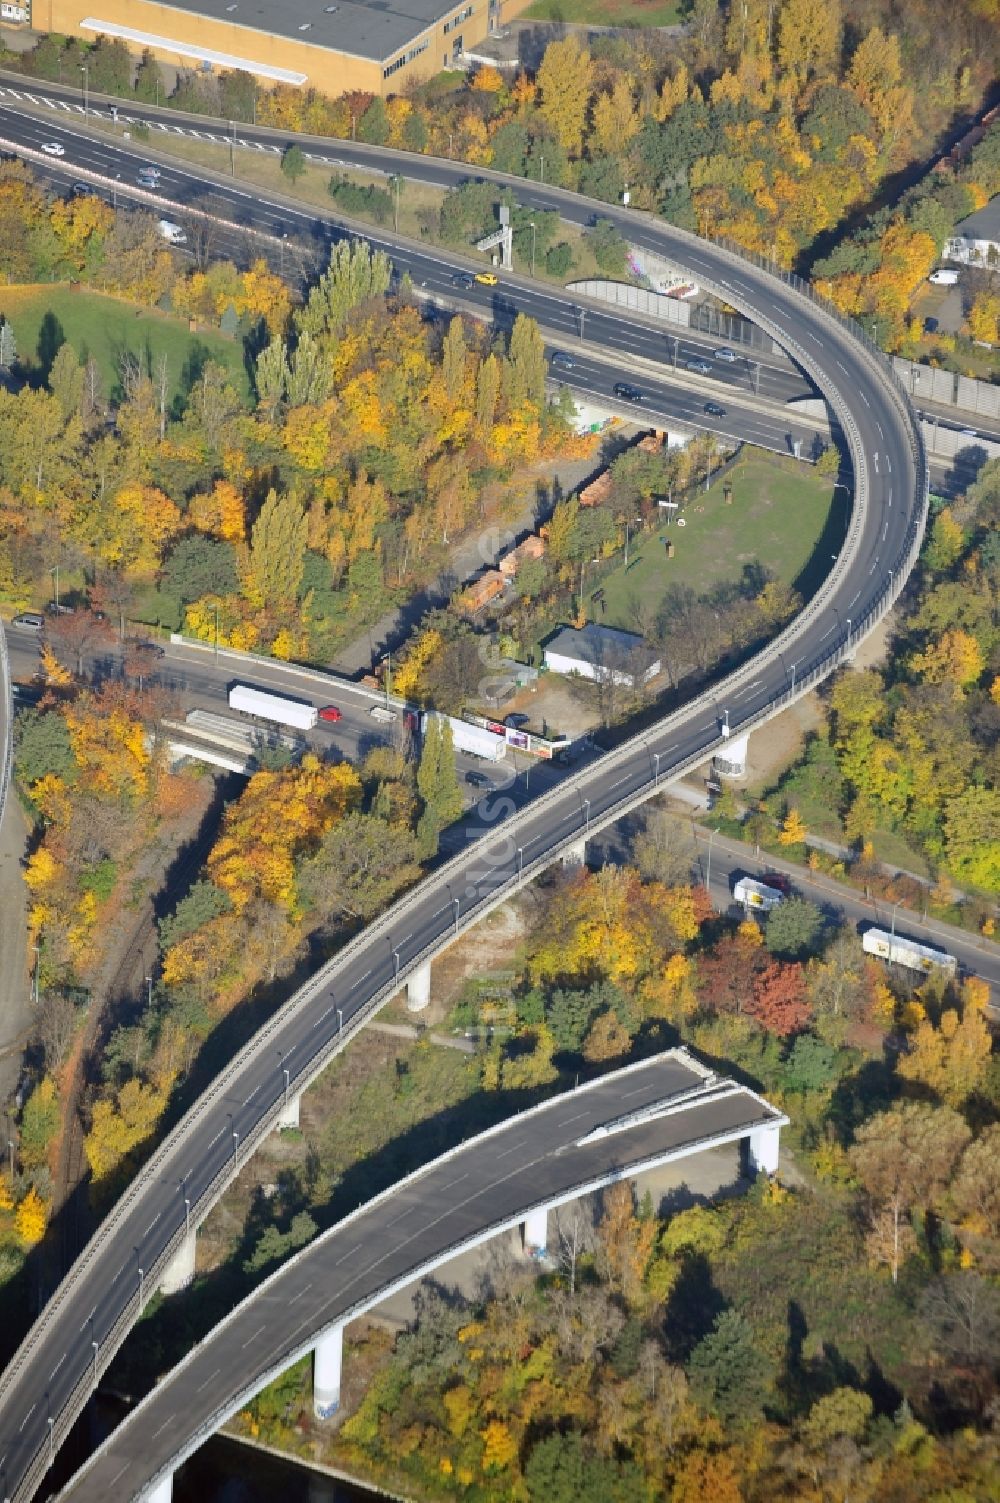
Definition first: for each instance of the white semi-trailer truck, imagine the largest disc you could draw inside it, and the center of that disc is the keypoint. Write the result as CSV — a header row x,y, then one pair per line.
x,y
276,707
474,739
756,897
900,951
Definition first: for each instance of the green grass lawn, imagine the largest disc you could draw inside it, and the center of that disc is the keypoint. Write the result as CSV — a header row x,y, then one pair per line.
x,y
782,516
105,327
605,12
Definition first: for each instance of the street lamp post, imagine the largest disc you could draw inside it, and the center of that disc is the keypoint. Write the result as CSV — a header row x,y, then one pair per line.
x,y
520,860
848,631
586,828
340,1021
97,1348
187,1215
456,904
236,1146
216,610
895,905
532,223
794,666
54,571
140,1290
656,770
149,992
85,70
395,964
630,522
114,191
708,876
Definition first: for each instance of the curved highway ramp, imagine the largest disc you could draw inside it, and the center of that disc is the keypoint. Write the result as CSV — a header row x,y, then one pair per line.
x,y
646,1114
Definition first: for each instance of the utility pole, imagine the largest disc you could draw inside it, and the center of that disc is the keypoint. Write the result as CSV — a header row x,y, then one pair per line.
x,y
232,148
55,572
532,222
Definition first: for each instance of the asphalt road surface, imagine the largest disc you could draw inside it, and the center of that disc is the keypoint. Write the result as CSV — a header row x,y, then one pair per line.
x,y
48,1380
491,1182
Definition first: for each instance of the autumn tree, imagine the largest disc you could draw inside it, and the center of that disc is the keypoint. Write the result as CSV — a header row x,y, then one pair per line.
x,y
625,1242
950,1060
524,369
361,863
778,1000
437,781
904,1159
565,82
277,553
809,34
31,1218
975,1190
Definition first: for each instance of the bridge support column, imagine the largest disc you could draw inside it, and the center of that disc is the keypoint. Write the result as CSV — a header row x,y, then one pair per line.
x,y
162,1492
535,1232
289,1114
327,1362
731,761
762,1150
575,854
418,988
180,1270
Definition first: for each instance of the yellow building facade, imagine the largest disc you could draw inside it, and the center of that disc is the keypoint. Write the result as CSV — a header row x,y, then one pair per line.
x,y
375,45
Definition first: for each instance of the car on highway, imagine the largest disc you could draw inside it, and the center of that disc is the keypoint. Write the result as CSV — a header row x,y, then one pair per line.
x,y
715,409
151,649
626,392
82,190
29,620
171,232
487,278
478,780
729,356
331,713
701,366
968,433
560,361
463,279
53,149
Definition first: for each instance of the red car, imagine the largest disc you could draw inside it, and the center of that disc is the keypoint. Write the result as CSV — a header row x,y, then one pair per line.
x,y
330,712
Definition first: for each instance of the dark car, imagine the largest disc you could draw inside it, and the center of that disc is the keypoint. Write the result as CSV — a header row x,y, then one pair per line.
x,y
516,720
478,780
778,881
82,190
560,361
701,366
462,279
715,409
626,392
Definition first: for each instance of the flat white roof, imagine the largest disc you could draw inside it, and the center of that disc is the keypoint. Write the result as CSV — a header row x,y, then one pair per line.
x,y
188,49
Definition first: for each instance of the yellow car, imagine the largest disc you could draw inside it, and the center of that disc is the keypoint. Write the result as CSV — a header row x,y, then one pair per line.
x,y
487,278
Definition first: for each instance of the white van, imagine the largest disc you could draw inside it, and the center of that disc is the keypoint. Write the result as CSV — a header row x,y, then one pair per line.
x,y
945,276
172,232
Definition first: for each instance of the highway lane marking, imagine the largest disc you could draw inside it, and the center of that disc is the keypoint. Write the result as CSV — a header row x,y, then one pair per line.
x,y
879,427
873,567
843,367
302,1291
26,1418
508,1151
348,1254
166,1422
864,399
567,1120
120,1473
208,1380
620,782
888,464
368,972
452,1182
875,458
248,1100
409,1210
259,1331
58,1365
853,598
826,633
885,529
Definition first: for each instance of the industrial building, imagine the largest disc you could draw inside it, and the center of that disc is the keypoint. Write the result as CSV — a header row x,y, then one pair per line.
x,y
976,240
377,46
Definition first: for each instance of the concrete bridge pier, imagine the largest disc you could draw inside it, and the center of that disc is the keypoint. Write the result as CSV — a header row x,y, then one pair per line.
x,y
162,1491
289,1114
180,1270
535,1233
328,1358
575,854
418,988
731,761
762,1149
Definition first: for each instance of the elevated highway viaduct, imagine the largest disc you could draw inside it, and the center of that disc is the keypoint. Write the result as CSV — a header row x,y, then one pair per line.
x,y
47,1383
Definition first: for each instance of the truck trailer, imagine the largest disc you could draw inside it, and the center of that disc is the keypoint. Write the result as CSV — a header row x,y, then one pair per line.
x,y
899,951
473,739
756,897
276,707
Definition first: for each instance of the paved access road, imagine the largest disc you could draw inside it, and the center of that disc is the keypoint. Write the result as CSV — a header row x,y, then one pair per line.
x,y
91,1312
489,1183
